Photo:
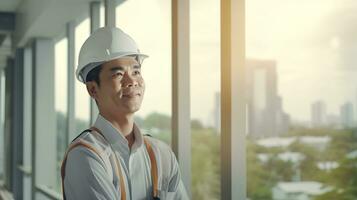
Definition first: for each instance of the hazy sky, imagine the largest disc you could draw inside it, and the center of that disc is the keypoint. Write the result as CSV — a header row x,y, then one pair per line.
x,y
313,42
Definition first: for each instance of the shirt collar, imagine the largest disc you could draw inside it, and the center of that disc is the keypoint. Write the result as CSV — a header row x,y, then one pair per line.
x,y
115,138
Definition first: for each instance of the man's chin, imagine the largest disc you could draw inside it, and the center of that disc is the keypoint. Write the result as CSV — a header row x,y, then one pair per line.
x,y
133,108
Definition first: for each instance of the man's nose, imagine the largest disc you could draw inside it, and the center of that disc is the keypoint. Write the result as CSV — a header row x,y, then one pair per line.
x,y
129,81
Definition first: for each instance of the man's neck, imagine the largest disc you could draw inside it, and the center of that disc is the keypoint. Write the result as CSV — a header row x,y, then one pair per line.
x,y
124,124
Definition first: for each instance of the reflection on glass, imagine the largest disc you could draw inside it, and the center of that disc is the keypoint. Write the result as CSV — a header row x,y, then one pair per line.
x,y
82,99
302,136
148,22
61,101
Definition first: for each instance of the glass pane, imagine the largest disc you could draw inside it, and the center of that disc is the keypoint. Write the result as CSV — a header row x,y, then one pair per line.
x,y
82,99
301,75
61,51
148,22
102,16
205,98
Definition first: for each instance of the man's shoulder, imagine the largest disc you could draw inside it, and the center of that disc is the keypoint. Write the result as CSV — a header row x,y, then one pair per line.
x,y
93,138
89,143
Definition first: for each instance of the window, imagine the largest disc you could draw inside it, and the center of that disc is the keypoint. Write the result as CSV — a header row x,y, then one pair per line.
x,y
82,98
148,22
102,15
301,71
61,92
205,98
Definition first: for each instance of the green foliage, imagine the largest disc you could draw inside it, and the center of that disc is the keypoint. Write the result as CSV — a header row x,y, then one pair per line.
x,y
164,135
157,120
205,165
261,177
344,181
196,124
308,165
258,180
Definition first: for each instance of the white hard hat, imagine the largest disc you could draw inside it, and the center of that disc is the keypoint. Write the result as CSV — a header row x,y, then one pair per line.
x,y
103,45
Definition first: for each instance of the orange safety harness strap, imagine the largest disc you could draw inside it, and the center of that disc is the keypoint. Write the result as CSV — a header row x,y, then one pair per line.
x,y
154,168
118,167
63,166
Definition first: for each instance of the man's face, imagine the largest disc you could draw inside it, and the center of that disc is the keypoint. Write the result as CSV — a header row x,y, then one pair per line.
x,y
121,86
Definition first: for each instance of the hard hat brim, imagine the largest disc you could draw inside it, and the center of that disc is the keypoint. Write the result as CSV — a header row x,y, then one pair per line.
x,y
82,74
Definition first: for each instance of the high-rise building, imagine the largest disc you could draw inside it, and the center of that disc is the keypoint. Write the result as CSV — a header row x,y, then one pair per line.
x,y
282,118
333,120
262,97
346,115
318,114
265,114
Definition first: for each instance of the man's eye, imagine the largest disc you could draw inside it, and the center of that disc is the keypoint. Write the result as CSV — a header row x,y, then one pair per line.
x,y
118,74
137,72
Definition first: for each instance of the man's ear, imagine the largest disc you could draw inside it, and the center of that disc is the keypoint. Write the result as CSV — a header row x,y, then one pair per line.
x,y
92,88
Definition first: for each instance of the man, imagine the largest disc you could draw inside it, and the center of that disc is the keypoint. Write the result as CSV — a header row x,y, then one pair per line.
x,y
113,160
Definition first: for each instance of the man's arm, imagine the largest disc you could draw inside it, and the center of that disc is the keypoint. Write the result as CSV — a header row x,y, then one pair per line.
x,y
86,177
176,186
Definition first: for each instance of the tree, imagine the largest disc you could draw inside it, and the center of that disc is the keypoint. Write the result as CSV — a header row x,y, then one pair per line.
x,y
205,165
196,124
157,120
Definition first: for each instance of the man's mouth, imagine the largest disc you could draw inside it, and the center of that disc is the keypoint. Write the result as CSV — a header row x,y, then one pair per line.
x,y
131,95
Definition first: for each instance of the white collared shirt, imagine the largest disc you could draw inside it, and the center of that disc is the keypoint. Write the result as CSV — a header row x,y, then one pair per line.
x,y
89,176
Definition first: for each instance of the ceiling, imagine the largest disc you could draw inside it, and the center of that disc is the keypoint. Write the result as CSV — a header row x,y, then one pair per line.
x,y
40,18
5,35
9,5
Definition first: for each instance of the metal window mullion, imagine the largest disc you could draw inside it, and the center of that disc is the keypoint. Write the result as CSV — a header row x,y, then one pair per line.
x,y
7,123
181,129
27,120
2,117
17,123
71,121
110,6
233,101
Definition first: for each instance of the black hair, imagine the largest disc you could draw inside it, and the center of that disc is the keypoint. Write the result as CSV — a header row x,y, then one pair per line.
x,y
93,75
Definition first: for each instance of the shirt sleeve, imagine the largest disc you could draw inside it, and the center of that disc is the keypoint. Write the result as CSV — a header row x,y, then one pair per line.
x,y
86,177
176,188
